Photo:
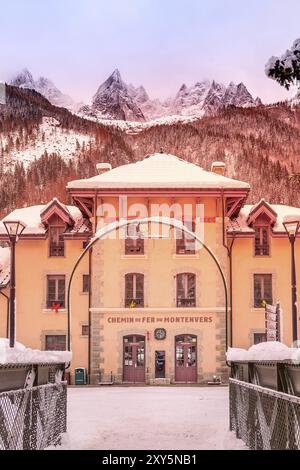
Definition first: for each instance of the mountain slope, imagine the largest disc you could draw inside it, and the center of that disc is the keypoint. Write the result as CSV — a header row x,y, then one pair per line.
x,y
260,145
46,87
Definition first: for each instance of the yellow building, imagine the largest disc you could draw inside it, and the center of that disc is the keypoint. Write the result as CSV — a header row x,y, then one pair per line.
x,y
148,300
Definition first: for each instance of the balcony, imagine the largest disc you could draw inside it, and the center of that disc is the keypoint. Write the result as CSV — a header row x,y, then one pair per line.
x,y
51,304
185,249
57,249
134,303
182,302
134,246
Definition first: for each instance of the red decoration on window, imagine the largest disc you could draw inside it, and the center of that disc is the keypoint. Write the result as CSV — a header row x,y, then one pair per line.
x,y
55,307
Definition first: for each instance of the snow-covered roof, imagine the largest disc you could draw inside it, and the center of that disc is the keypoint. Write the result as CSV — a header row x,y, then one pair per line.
x,y
4,266
282,211
158,171
31,216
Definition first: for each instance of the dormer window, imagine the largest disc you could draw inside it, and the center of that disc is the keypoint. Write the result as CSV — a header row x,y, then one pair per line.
x,y
134,244
56,241
58,219
262,241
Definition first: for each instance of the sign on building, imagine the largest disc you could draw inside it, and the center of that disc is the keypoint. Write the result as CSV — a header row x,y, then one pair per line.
x,y
272,320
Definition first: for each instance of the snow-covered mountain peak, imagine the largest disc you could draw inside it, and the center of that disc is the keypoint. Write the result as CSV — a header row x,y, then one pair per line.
x,y
116,75
23,79
46,87
44,82
117,100
182,89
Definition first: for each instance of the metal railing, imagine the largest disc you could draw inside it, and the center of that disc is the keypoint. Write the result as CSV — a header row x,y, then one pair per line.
x,y
33,406
131,302
263,418
189,302
33,418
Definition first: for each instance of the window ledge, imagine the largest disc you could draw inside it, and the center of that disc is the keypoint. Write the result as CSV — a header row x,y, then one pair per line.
x,y
257,310
137,256
49,310
185,256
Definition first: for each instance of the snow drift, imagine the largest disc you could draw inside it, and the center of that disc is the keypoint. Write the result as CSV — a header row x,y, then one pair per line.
x,y
266,351
22,355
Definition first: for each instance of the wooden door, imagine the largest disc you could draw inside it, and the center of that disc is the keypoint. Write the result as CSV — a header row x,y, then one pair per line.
x,y
186,358
134,358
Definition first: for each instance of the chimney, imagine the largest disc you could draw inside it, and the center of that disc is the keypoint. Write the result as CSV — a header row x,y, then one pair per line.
x,y
218,168
103,168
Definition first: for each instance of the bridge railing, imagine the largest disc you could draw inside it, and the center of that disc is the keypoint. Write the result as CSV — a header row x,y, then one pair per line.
x,y
33,412
265,404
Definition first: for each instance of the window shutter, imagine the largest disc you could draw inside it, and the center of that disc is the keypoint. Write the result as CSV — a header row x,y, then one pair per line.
x,y
180,286
139,286
268,288
61,290
191,284
51,290
257,291
129,286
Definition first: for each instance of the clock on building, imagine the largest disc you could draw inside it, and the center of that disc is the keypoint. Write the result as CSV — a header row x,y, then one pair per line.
x,y
160,333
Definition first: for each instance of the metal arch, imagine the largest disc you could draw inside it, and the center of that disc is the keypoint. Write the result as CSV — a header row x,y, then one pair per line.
x,y
164,221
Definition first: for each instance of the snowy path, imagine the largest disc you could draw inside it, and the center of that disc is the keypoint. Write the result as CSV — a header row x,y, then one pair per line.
x,y
149,418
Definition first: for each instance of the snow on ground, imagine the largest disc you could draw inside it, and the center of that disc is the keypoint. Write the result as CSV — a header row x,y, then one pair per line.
x,y
134,127
52,139
145,418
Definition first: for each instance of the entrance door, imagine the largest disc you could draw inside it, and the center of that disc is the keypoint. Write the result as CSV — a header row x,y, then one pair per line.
x,y
134,358
160,361
186,358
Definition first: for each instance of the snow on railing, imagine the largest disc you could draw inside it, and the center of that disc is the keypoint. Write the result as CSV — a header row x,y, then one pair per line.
x,y
266,351
22,355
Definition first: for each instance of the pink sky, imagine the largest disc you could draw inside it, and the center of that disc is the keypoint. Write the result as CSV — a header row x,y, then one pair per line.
x,y
158,44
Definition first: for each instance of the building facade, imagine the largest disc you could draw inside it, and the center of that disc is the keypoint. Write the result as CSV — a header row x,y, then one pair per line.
x,y
148,299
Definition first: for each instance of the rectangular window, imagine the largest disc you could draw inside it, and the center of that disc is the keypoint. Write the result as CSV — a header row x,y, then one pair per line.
x,y
57,242
85,283
134,290
259,338
134,244
84,330
186,290
262,290
262,241
56,291
55,343
185,243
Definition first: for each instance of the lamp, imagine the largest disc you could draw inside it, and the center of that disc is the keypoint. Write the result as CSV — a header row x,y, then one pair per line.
x,y
291,225
14,228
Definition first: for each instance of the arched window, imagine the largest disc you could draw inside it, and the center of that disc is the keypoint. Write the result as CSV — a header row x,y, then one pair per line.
x,y
134,290
186,290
